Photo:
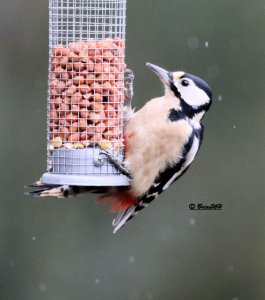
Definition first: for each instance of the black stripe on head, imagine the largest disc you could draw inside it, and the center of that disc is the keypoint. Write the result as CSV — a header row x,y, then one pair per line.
x,y
189,110
200,83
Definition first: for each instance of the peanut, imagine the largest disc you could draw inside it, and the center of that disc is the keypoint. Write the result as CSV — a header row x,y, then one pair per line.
x,y
66,100
56,101
73,127
54,133
97,97
110,111
90,130
53,117
72,74
53,126
110,123
61,86
82,124
111,78
72,89
54,83
78,145
74,137
79,66
54,93
64,133
68,146
70,67
56,142
69,83
107,44
63,61
65,76
96,87
75,108
73,57
95,139
102,115
71,117
61,51
64,122
108,55
90,78
76,98
58,71
104,144
109,134
94,117
86,143
84,55
90,65
98,68
52,76
96,106
86,87
119,42
83,136
107,86
77,80
102,78
55,62
84,113
100,127
63,107
84,103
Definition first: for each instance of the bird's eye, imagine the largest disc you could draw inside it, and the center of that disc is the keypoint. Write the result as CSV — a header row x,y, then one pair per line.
x,y
185,82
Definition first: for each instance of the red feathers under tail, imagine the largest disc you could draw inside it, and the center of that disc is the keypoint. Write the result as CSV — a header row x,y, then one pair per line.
x,y
119,198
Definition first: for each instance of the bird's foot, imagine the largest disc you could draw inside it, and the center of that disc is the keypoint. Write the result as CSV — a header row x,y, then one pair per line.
x,y
128,87
116,162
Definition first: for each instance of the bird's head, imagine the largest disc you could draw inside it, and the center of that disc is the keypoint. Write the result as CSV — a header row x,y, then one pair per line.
x,y
194,94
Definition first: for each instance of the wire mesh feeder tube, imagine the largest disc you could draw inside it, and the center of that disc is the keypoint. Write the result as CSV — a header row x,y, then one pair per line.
x,y
85,91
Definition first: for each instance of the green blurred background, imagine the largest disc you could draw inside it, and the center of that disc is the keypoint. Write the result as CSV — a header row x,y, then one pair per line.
x,y
54,249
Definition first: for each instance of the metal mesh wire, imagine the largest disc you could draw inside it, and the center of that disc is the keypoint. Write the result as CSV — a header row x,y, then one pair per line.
x,y
85,85
74,20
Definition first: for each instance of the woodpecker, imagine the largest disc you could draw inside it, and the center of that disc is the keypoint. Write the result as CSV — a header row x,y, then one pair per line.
x,y
161,141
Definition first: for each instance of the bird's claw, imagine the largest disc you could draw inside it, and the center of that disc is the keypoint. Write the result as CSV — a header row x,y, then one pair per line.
x,y
128,85
116,162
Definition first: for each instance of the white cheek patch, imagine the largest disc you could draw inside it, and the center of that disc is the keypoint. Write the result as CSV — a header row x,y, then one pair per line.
x,y
193,95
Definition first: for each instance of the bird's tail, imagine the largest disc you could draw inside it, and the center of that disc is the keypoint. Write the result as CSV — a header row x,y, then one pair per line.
x,y
123,216
123,202
120,199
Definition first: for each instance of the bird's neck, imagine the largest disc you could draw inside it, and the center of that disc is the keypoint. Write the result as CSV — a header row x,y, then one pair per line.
x,y
197,118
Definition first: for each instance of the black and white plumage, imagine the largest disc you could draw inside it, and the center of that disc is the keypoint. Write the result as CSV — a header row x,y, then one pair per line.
x,y
162,140
181,110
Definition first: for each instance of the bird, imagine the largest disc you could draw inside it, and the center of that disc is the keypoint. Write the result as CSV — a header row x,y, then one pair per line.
x,y
161,141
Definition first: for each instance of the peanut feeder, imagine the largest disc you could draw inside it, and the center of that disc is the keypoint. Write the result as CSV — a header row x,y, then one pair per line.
x,y
85,92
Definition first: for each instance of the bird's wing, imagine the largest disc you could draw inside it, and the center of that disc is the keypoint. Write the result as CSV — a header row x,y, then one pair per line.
x,y
126,215
162,182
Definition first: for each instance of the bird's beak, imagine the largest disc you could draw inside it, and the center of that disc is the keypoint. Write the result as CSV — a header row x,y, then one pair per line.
x,y
164,75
